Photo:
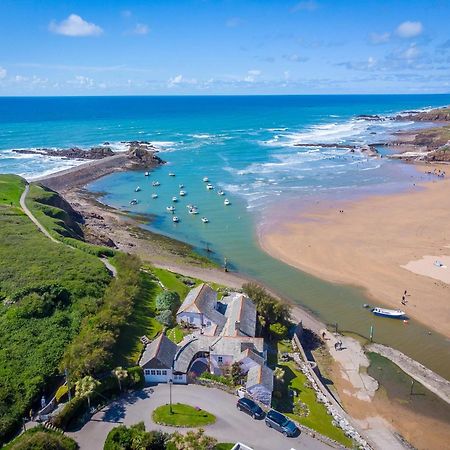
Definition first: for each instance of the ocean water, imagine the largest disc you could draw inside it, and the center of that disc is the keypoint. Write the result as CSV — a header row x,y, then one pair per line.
x,y
246,146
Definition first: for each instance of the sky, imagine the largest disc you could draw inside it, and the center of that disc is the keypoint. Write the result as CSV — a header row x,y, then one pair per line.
x,y
210,47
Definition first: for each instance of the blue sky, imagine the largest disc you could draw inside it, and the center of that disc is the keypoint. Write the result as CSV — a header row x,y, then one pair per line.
x,y
90,47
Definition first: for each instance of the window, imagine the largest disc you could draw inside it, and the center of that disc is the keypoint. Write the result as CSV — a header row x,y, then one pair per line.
x,y
164,372
147,372
158,372
191,319
220,359
208,323
153,372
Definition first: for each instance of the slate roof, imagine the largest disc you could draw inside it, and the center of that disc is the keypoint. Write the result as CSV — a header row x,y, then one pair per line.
x,y
159,354
241,316
260,375
203,300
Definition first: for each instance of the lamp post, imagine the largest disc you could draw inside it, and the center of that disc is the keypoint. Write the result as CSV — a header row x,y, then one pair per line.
x,y
170,395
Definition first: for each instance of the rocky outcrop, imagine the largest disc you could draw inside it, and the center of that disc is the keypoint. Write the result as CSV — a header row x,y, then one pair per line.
x,y
433,115
71,153
440,155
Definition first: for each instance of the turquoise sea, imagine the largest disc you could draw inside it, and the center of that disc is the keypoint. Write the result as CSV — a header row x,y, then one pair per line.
x,y
246,146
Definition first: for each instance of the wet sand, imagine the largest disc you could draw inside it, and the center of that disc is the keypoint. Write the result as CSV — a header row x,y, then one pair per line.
x,y
369,243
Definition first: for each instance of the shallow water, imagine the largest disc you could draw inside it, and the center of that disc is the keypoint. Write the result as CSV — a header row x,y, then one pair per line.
x,y
246,146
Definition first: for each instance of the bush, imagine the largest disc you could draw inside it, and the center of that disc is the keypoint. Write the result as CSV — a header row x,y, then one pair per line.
x,y
39,438
219,378
278,330
136,379
168,300
71,409
135,437
166,318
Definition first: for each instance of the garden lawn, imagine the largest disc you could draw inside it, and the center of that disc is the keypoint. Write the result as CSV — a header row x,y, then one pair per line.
x,y
141,322
175,334
182,416
317,419
171,282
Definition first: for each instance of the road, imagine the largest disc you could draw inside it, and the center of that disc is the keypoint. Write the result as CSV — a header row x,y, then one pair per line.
x,y
231,425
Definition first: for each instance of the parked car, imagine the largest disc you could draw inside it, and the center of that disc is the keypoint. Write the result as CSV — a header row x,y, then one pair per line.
x,y
281,423
250,407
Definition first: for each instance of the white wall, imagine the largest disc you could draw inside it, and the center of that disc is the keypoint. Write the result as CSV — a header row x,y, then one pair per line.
x,y
157,375
217,364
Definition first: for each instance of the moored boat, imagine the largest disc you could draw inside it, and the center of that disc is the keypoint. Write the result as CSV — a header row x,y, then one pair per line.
x,y
205,220
146,174
221,192
138,189
209,186
193,211
182,193
156,183
205,179
170,208
133,202
226,202
171,174
392,313
175,219
174,199
154,195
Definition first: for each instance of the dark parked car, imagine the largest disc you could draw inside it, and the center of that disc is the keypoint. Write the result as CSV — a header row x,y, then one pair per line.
x,y
250,407
281,423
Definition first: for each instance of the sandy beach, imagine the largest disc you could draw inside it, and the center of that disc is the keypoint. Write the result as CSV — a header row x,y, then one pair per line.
x,y
386,244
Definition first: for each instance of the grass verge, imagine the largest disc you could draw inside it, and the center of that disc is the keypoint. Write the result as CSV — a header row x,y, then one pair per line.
x,y
182,416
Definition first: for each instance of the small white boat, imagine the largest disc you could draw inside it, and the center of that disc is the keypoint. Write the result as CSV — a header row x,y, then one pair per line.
x,y
154,195
392,313
209,186
171,174
146,174
193,211
133,202
205,179
175,219
181,186
138,189
205,220
174,199
189,206
170,208
221,192
156,183
226,202
182,193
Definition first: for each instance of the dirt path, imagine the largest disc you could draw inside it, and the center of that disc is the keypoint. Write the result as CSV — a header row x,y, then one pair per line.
x,y
31,216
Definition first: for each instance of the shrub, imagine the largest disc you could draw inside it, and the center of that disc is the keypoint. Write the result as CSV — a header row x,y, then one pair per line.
x,y
136,377
39,438
135,437
278,330
168,300
166,318
70,410
219,378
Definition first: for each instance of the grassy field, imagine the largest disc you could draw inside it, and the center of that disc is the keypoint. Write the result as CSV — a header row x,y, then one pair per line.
x,y
317,418
11,188
142,322
175,334
171,282
182,416
45,290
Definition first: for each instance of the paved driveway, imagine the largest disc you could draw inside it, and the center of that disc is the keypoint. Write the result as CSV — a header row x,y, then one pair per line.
x,y
231,424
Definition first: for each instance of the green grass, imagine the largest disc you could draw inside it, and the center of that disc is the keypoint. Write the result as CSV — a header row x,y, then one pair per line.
x,y
317,419
284,346
175,334
171,282
142,322
11,188
224,446
45,291
182,416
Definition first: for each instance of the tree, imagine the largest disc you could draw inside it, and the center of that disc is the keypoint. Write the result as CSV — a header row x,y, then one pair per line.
x,y
168,300
121,374
236,373
278,330
166,318
85,387
193,440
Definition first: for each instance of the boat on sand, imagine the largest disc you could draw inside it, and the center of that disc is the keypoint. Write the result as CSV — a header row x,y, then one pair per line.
x,y
391,313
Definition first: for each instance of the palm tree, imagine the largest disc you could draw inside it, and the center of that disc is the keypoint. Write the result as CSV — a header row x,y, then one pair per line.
x,y
85,387
121,374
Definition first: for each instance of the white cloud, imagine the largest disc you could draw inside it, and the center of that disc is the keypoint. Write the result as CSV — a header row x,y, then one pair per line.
x,y
411,53
3,73
141,28
252,75
126,13
379,38
233,22
82,81
75,26
295,58
409,29
307,5
179,80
